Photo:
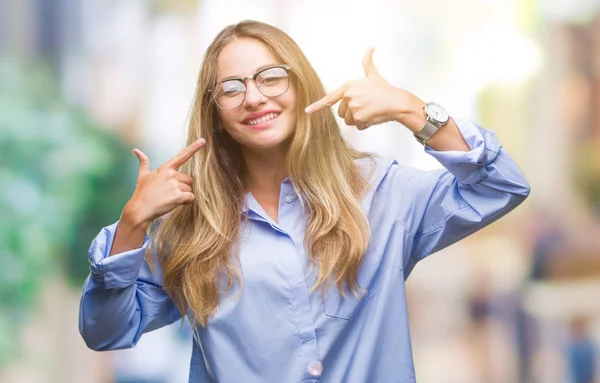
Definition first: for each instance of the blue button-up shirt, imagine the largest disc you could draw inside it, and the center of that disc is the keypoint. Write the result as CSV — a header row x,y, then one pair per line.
x,y
279,330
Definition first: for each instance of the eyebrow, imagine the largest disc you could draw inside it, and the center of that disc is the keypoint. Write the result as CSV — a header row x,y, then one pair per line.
x,y
256,71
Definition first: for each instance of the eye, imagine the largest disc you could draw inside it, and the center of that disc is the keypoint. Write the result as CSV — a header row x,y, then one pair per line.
x,y
272,76
231,88
270,80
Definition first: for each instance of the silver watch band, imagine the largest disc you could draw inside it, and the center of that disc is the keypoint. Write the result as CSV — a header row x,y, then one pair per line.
x,y
425,134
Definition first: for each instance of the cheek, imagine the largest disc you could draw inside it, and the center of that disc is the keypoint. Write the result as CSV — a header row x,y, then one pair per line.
x,y
228,120
292,97
293,116
291,104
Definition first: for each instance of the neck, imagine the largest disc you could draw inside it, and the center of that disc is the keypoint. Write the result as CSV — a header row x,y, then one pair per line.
x,y
266,171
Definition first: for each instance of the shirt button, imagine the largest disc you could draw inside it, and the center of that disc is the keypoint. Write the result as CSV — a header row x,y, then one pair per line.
x,y
315,368
289,198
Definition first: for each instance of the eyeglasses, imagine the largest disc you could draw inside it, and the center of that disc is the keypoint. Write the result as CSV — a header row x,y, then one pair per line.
x,y
272,81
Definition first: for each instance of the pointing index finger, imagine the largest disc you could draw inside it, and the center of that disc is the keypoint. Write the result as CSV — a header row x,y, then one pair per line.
x,y
185,154
327,101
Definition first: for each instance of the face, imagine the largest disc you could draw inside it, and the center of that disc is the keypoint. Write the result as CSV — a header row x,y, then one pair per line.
x,y
260,122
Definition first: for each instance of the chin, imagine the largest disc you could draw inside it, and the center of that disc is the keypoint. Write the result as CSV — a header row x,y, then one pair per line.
x,y
267,144
264,145
266,141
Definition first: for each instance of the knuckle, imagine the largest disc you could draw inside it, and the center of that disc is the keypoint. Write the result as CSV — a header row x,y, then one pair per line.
x,y
163,171
171,173
179,197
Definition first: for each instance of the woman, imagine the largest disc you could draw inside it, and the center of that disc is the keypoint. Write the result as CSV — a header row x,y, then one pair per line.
x,y
287,249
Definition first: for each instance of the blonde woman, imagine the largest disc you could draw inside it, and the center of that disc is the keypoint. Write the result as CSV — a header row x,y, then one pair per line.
x,y
287,249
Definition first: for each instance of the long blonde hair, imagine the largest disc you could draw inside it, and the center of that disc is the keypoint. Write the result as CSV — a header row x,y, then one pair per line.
x,y
196,244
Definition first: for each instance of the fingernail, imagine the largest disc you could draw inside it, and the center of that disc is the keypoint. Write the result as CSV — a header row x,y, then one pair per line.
x,y
308,110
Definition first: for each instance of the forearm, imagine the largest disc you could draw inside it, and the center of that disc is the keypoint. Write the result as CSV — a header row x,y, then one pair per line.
x,y
457,209
109,319
122,298
130,233
113,319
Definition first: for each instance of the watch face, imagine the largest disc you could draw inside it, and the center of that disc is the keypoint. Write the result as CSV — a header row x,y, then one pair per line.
x,y
437,112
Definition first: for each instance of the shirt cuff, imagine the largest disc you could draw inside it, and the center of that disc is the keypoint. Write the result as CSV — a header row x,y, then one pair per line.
x,y
469,167
120,270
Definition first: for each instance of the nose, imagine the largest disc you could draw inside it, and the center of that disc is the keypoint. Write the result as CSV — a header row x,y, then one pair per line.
x,y
253,95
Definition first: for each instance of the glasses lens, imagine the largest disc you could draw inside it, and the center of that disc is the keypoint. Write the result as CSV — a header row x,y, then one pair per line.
x,y
273,81
231,94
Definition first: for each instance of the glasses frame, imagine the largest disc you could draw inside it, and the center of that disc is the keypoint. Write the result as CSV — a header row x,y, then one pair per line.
x,y
253,78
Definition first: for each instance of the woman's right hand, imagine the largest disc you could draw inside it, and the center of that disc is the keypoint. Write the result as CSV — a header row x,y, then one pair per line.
x,y
161,190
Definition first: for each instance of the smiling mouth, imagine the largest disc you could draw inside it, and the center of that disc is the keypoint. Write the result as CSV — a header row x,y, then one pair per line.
x,y
262,119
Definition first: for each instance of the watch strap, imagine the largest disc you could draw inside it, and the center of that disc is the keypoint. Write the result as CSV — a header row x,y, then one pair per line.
x,y
426,132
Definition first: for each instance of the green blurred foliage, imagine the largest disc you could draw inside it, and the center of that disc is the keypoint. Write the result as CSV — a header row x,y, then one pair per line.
x,y
62,178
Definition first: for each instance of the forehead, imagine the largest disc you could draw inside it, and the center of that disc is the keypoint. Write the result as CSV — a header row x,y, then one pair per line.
x,y
242,57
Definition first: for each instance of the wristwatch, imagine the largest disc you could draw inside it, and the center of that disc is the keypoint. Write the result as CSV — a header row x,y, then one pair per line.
x,y
436,117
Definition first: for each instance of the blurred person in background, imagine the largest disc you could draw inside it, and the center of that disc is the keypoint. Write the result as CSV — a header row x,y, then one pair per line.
x,y
287,249
581,352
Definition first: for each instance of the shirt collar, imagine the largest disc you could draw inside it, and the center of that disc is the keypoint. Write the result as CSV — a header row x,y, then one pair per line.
x,y
249,199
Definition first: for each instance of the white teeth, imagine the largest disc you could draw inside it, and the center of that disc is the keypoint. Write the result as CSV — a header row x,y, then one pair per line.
x,y
262,119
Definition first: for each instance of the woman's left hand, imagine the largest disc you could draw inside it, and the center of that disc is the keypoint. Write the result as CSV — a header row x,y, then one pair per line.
x,y
370,100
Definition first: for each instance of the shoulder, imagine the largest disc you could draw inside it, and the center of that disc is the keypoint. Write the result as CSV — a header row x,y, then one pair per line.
x,y
395,183
374,168
384,172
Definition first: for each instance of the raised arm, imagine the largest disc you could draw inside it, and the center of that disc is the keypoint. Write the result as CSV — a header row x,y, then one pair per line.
x,y
440,207
480,182
122,298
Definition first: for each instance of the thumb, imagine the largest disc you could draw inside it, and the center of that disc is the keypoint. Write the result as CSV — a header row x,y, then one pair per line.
x,y
367,62
144,162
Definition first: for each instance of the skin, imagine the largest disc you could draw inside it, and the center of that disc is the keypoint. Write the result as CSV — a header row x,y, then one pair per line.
x,y
264,151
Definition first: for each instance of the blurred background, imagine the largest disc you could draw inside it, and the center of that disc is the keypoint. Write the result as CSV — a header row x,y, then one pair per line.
x,y
83,82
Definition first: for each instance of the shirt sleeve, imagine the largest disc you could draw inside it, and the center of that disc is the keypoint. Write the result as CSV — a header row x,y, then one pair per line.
x,y
122,298
439,207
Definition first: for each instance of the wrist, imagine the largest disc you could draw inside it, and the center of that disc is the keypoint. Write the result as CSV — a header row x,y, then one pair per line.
x,y
133,218
411,114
